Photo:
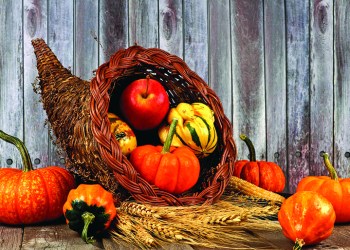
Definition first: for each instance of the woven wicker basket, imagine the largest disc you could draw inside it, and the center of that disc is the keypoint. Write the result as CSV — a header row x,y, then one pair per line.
x,y
83,133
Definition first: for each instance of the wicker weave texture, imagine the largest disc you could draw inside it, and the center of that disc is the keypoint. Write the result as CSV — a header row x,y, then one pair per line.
x,y
78,115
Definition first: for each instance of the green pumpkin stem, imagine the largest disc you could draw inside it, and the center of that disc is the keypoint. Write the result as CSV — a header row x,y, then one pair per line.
x,y
88,219
299,243
27,163
329,166
248,142
169,138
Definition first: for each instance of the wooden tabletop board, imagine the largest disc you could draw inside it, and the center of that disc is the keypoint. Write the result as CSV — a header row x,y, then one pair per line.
x,y
58,236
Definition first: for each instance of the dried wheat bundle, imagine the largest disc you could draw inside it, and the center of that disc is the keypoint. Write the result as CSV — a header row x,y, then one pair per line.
x,y
224,224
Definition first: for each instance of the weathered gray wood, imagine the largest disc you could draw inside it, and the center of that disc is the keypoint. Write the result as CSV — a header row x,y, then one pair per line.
x,y
11,79
143,23
86,45
10,237
321,84
275,81
61,41
170,26
342,88
337,240
54,237
298,87
35,132
220,79
113,32
248,90
196,36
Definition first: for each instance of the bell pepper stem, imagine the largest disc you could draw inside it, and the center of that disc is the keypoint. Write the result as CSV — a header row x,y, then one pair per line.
x,y
248,142
329,166
88,218
299,243
27,163
170,136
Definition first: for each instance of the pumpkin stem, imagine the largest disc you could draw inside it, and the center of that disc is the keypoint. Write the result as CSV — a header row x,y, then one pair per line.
x,y
27,163
248,142
169,138
299,243
329,166
88,219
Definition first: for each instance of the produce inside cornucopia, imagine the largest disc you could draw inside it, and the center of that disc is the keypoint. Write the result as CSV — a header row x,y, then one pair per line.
x,y
150,160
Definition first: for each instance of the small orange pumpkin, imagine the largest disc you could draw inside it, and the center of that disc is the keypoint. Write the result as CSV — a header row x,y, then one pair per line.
x,y
171,169
267,175
306,218
335,189
31,196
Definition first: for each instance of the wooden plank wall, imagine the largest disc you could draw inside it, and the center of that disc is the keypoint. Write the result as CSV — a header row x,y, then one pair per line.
x,y
280,68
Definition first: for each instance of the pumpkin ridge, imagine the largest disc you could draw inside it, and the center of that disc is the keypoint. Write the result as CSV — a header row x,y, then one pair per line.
x,y
47,193
16,189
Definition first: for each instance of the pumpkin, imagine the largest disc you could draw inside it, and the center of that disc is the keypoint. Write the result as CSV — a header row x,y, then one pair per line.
x,y
171,169
123,133
306,218
31,196
336,190
89,210
195,128
264,174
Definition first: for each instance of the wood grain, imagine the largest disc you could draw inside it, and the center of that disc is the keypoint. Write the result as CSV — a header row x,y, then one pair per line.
x,y
196,36
35,132
275,81
61,41
220,77
248,90
85,43
143,23
170,26
342,88
11,80
10,237
54,237
298,90
113,27
321,84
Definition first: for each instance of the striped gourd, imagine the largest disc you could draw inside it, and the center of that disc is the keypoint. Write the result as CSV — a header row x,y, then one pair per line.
x,y
195,128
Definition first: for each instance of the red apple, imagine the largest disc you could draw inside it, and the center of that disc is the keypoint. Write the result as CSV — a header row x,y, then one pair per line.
x,y
144,104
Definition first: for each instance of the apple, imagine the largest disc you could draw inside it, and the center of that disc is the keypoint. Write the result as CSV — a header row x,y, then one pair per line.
x,y
144,103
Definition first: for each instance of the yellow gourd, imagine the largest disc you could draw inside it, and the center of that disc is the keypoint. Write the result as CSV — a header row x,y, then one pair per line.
x,y
195,128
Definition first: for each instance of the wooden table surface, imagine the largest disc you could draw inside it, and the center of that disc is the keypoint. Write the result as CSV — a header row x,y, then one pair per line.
x,y
57,235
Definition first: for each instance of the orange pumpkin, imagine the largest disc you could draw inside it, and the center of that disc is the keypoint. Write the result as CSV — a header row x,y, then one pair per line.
x,y
267,175
171,169
306,218
335,189
31,196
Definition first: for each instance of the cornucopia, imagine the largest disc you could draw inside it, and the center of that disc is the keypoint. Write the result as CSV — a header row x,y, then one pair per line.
x,y
79,114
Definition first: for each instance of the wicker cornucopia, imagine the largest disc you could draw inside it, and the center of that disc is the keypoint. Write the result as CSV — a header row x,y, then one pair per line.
x,y
78,115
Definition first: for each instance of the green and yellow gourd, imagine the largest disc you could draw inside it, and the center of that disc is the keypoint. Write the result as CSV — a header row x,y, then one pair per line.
x,y
195,128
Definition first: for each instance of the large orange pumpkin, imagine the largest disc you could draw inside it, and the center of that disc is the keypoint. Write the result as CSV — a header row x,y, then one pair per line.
x,y
335,189
31,196
306,218
267,175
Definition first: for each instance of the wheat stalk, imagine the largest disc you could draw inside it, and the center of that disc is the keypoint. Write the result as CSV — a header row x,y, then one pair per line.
x,y
223,224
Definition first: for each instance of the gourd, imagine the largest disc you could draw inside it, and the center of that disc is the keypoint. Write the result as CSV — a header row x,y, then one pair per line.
x,y
336,190
123,133
89,210
171,169
195,128
31,196
306,218
267,175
